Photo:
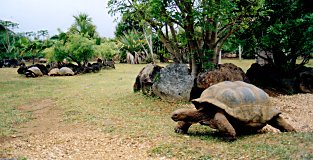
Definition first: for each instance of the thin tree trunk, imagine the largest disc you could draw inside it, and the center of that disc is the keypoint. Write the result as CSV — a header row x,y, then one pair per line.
x,y
220,57
149,41
240,52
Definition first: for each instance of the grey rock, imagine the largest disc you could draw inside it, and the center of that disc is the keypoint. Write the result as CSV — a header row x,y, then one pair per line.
x,y
306,81
174,83
145,79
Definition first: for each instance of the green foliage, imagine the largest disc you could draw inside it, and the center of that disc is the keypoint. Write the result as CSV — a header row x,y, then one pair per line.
x,y
127,24
106,50
49,54
205,25
150,58
80,43
131,41
8,39
83,25
77,48
21,45
286,32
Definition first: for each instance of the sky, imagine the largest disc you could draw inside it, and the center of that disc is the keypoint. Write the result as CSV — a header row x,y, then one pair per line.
x,y
35,15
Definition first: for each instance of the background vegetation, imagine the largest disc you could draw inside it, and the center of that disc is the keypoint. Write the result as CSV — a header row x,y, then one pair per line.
x,y
80,44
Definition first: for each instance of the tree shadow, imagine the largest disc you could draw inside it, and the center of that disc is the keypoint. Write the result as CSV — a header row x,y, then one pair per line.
x,y
214,135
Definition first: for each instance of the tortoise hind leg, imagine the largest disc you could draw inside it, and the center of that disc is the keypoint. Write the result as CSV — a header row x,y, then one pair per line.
x,y
182,127
281,124
224,126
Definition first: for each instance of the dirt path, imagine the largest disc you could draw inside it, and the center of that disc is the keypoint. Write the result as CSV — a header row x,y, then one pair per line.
x,y
47,137
297,109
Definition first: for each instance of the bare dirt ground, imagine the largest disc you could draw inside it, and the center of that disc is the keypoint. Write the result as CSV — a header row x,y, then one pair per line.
x,y
47,137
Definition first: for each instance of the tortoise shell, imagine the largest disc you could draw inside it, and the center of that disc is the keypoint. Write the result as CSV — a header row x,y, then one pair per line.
x,y
36,71
54,72
66,71
240,100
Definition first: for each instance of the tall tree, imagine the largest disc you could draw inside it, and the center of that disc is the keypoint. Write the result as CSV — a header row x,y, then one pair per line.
x,y
77,48
8,38
206,24
131,41
33,47
287,33
127,24
84,26
106,50
42,34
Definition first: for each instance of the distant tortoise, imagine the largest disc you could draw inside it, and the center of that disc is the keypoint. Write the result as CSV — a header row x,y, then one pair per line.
x,y
232,108
54,72
65,71
33,72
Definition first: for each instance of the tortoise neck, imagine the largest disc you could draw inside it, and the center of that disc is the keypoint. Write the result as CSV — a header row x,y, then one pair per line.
x,y
197,116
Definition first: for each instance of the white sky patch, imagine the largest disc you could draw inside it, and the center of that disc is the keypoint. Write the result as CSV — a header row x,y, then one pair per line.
x,y
34,15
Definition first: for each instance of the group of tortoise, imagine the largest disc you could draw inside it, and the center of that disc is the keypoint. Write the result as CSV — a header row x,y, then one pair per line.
x,y
38,70
232,108
35,72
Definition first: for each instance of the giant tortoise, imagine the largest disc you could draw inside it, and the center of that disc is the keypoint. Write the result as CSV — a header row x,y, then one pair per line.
x,y
65,71
33,72
232,108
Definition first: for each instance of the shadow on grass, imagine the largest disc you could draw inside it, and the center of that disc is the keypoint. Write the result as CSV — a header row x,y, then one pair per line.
x,y
209,134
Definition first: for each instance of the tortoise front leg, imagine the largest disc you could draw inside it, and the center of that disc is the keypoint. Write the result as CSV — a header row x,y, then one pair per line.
x,y
281,124
223,125
182,127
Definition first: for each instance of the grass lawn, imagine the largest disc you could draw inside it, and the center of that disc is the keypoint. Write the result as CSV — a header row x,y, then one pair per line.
x,y
106,100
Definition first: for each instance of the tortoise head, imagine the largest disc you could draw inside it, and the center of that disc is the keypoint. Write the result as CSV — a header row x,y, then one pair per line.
x,y
181,114
191,115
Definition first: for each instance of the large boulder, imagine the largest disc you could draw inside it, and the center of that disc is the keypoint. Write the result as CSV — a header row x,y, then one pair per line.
x,y
145,79
174,83
271,78
306,81
224,72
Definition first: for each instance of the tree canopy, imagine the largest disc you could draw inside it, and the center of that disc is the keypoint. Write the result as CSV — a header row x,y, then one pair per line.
x,y
84,26
287,33
7,39
77,48
206,24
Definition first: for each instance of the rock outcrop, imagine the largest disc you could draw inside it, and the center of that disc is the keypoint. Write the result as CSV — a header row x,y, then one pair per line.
x,y
174,83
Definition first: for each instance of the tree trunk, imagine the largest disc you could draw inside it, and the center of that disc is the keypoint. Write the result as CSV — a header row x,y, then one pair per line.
x,y
172,48
194,67
240,51
150,44
220,57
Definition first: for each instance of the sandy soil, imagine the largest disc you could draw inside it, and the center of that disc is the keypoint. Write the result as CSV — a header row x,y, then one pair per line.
x,y
47,137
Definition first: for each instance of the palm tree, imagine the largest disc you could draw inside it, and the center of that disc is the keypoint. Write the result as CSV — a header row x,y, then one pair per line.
x,y
83,25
